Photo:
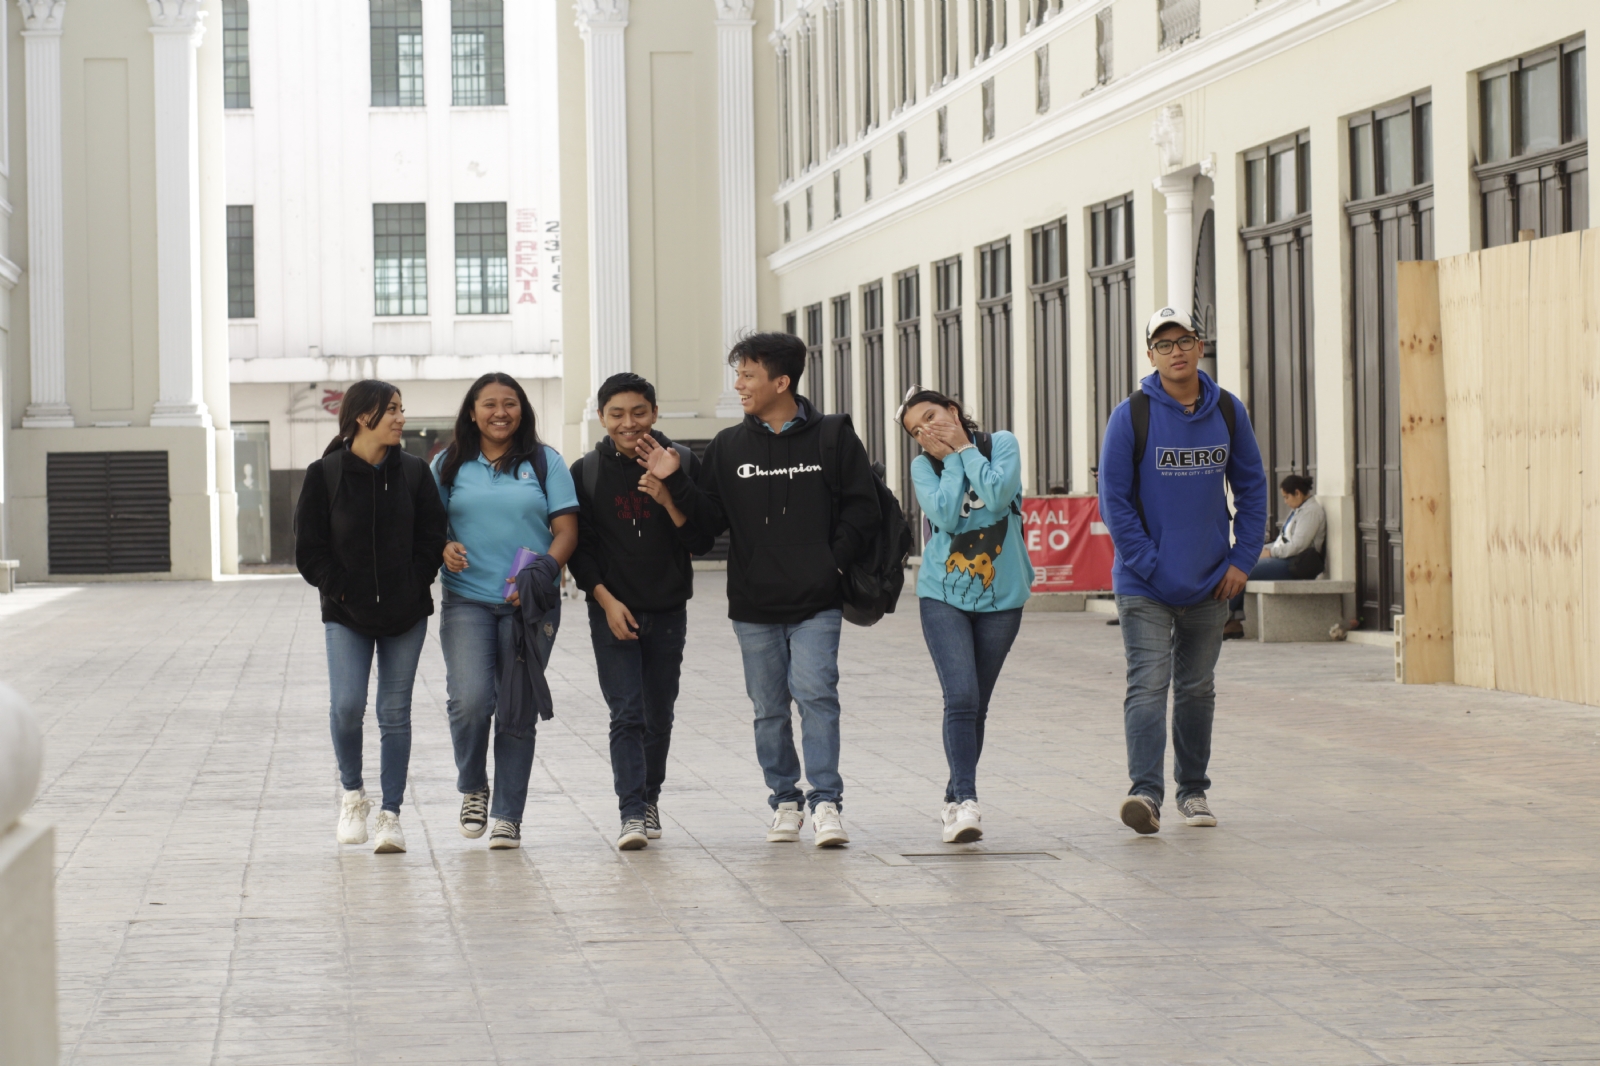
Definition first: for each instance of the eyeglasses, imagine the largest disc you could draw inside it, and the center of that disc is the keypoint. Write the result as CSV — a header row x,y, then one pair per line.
x,y
1183,344
900,413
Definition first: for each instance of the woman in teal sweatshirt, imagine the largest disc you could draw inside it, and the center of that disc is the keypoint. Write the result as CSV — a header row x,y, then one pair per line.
x,y
974,579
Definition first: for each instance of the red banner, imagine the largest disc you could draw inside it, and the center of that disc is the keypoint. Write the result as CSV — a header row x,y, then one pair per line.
x,y
1068,544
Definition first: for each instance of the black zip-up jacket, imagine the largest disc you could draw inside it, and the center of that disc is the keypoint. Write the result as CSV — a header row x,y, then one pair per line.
x,y
626,540
793,530
375,552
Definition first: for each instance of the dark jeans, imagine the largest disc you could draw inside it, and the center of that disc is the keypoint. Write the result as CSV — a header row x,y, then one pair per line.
x,y
1176,648
349,670
640,681
477,642
1268,569
968,649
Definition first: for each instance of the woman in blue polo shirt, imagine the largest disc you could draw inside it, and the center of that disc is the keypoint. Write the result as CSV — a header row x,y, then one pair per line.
x,y
503,489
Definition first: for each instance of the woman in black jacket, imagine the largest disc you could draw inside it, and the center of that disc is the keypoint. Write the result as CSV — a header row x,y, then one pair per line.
x,y
369,534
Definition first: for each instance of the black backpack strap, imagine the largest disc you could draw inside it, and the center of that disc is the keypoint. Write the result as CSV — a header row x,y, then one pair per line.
x,y
414,469
832,426
541,467
332,474
685,456
1229,415
590,469
1139,411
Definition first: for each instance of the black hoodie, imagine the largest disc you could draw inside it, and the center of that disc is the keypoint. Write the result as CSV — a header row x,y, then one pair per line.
x,y
374,554
793,530
626,541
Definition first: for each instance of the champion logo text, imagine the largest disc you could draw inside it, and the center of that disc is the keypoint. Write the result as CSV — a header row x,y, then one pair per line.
x,y
757,470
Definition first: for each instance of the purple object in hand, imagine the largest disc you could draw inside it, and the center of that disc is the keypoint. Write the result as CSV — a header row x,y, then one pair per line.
x,y
524,558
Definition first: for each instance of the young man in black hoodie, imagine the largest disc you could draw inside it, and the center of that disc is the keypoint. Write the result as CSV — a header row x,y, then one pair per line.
x,y
633,561
798,513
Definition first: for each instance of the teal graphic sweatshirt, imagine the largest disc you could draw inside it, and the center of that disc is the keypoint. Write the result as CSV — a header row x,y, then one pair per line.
x,y
976,559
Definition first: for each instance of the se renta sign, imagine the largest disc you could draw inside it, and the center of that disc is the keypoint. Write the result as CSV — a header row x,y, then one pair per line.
x,y
1068,544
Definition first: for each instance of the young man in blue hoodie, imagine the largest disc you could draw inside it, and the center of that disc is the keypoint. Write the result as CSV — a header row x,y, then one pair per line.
x,y
1168,459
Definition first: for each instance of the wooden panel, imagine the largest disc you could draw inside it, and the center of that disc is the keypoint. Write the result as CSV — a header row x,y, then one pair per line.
x,y
1425,476
1559,670
1589,359
1504,273
1461,330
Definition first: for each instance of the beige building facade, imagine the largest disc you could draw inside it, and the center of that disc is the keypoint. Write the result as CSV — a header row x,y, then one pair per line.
x,y
992,196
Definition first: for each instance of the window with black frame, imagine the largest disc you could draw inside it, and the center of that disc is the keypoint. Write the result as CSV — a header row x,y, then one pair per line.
x,y
1048,291
396,53
1390,213
400,259
813,375
1533,145
477,53
1113,339
947,325
483,278
994,334
1278,321
872,370
908,367
843,373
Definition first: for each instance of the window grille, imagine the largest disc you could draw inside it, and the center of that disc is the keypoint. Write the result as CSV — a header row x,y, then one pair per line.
x,y
867,67
1102,47
843,372
908,372
994,333
813,372
477,53
400,259
1180,21
988,28
396,53
872,370
1051,338
903,56
241,262
482,275
785,113
1114,340
947,325
236,54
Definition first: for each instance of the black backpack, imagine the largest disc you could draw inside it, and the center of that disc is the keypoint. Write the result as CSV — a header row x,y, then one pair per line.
x,y
332,473
873,583
1139,411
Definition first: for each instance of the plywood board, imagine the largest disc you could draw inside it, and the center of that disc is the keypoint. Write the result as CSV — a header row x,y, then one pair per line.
x,y
1588,348
1461,332
1555,510
1504,274
1425,477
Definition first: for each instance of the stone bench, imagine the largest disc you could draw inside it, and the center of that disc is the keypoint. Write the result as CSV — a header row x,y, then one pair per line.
x,y
8,575
1281,612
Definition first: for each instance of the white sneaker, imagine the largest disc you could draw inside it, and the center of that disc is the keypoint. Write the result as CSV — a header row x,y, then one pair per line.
x,y
828,828
963,822
353,810
786,822
390,839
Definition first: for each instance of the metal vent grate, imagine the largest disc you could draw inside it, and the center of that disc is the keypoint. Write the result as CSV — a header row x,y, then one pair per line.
x,y
110,513
967,858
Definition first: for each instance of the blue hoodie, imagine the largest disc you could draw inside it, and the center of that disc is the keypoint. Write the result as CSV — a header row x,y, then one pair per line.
x,y
1186,551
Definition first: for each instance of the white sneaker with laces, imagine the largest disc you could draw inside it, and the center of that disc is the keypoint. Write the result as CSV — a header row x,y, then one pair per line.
x,y
633,836
353,808
963,822
387,830
828,829
786,822
505,835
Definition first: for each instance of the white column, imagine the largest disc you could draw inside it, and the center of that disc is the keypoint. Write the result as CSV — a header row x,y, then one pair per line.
x,y
736,175
177,26
602,24
46,263
1179,190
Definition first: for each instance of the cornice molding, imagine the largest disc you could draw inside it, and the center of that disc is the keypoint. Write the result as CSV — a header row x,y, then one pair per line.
x,y
177,16
42,16
599,15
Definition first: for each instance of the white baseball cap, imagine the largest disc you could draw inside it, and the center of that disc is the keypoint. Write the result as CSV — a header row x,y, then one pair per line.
x,y
1167,316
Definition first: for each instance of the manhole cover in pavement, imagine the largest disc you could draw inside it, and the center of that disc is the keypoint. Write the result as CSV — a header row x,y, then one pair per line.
x,y
967,858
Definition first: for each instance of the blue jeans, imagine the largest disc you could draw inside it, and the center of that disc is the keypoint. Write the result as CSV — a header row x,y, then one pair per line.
x,y
968,649
1174,647
639,679
477,642
349,669
1268,569
798,661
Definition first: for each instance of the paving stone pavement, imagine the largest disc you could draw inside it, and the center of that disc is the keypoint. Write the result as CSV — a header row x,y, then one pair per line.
x,y
1401,874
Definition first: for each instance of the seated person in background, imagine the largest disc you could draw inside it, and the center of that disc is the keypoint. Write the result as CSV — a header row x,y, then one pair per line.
x,y
1297,553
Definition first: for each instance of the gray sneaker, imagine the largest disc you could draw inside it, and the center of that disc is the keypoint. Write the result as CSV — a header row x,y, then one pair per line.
x,y
1195,811
633,835
474,813
652,821
1141,814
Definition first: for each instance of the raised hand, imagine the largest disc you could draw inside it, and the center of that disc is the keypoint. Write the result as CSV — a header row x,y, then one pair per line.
x,y
660,462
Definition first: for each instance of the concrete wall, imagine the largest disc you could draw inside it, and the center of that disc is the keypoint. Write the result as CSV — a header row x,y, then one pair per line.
x,y
28,1034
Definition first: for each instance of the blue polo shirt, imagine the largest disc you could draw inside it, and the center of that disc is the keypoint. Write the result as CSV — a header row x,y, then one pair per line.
x,y
494,514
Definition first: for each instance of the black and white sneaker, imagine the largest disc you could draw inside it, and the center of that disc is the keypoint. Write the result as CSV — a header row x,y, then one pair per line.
x,y
633,835
1195,810
1140,814
506,835
474,813
652,821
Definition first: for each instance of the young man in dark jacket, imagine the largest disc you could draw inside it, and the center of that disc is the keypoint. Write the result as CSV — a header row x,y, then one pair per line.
x,y
633,561
1167,512
798,515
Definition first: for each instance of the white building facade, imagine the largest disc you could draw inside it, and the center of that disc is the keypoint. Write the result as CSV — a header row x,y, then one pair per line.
x,y
393,212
